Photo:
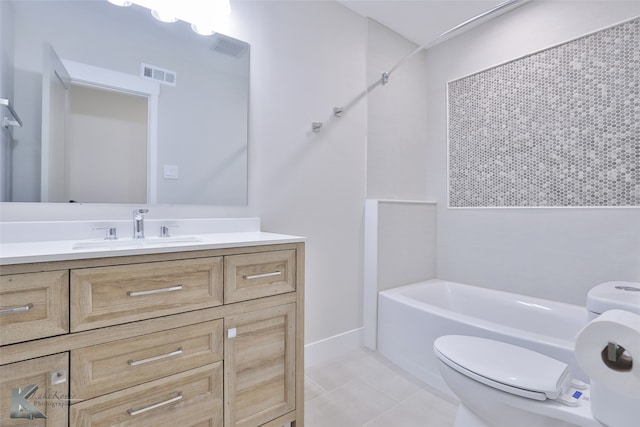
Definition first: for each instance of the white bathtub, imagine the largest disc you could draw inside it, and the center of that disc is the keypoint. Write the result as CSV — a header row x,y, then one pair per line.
x,y
411,317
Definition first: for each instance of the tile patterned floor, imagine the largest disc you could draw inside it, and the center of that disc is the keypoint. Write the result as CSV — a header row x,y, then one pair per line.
x,y
364,389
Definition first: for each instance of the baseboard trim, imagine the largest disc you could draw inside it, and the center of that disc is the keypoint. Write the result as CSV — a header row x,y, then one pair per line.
x,y
327,349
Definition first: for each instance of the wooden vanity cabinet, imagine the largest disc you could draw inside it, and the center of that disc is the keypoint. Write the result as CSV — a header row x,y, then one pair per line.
x,y
260,365
112,366
104,296
33,305
191,398
200,338
42,383
250,276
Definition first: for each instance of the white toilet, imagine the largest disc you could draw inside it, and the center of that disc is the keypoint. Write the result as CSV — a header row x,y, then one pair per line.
x,y
503,385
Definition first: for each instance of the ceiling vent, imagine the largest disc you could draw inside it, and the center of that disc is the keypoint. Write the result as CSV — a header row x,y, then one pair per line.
x,y
158,74
228,46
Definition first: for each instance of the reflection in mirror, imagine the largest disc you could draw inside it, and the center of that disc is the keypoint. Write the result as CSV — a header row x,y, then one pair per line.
x,y
107,146
108,134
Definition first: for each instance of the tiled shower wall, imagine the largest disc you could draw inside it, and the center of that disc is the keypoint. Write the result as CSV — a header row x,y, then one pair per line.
x,y
560,127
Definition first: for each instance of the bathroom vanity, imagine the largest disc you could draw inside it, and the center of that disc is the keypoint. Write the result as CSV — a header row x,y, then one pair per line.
x,y
206,333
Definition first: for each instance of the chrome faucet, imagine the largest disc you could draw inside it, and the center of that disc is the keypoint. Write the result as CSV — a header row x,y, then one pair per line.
x,y
138,223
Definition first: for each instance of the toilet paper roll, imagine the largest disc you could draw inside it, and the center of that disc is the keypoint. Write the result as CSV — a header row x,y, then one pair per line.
x,y
608,350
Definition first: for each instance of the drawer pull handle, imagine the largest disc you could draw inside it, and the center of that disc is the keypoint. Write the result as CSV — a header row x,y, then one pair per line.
x,y
16,309
155,405
154,291
154,358
259,276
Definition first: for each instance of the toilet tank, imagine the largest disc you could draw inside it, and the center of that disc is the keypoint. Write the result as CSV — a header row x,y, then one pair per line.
x,y
613,295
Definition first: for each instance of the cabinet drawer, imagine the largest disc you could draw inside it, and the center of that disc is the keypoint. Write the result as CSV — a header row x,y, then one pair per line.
x,y
50,399
105,368
258,275
106,296
191,398
34,305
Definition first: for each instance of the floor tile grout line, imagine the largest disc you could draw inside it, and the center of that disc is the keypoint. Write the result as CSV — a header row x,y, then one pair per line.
x,y
395,399
332,391
402,374
362,375
398,403
324,390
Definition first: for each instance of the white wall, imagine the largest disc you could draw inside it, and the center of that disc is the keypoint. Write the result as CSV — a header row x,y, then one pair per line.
x,y
306,58
399,241
396,128
557,253
400,249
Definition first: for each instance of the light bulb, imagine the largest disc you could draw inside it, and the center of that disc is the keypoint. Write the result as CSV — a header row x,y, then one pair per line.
x,y
121,2
202,30
203,15
163,16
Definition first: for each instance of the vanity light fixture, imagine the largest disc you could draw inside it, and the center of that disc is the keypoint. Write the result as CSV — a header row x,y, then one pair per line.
x,y
203,15
205,31
162,16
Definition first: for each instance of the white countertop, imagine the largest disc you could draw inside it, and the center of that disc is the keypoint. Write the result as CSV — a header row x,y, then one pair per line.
x,y
43,241
60,250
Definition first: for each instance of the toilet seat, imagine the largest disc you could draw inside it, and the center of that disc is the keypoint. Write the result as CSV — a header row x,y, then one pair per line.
x,y
505,367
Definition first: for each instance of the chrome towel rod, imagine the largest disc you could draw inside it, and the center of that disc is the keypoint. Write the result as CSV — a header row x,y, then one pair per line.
x,y
504,7
14,120
384,78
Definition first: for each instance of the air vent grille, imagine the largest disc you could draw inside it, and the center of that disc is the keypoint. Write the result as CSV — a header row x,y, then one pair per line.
x,y
228,46
158,74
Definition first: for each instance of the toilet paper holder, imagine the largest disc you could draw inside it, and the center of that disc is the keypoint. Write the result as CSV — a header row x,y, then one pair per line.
x,y
616,357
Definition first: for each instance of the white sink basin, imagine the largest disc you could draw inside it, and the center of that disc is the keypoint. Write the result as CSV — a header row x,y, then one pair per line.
x,y
135,243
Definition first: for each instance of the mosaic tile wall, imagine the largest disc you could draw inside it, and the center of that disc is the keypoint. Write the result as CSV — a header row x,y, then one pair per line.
x,y
560,127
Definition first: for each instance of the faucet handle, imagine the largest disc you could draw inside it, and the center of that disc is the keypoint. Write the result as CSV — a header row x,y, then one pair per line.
x,y
164,230
110,232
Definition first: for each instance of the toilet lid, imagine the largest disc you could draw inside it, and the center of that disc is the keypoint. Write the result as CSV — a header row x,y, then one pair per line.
x,y
504,366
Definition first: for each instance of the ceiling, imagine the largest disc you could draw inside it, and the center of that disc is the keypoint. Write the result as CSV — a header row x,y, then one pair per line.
x,y
420,21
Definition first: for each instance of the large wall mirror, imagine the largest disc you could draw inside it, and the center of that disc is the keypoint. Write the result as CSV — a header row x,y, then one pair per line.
x,y
118,107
